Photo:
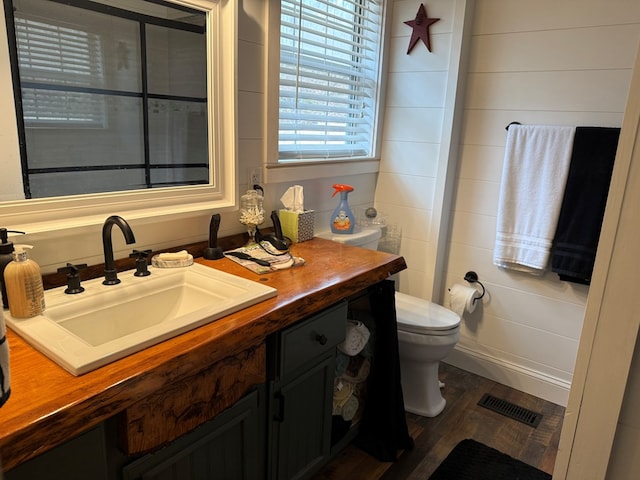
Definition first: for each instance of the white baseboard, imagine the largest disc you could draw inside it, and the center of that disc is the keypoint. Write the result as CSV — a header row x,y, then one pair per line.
x,y
515,376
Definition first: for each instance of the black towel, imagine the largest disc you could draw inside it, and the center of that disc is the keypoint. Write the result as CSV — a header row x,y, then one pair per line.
x,y
585,197
383,429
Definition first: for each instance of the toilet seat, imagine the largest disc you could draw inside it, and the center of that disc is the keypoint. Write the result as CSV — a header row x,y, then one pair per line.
x,y
420,316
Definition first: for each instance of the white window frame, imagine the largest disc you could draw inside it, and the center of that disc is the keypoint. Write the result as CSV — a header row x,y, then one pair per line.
x,y
85,211
285,170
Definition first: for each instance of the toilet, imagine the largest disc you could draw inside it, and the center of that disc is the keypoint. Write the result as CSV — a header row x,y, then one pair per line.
x,y
427,332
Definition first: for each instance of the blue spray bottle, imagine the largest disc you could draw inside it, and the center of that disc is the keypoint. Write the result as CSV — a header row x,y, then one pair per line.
x,y
342,219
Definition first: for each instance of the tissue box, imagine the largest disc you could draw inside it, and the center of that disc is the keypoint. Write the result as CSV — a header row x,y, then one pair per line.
x,y
297,226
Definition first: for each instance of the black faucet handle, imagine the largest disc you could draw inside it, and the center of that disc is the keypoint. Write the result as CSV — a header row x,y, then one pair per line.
x,y
71,269
140,254
141,262
73,277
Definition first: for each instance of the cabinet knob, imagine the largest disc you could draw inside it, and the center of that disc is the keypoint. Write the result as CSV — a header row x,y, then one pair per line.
x,y
321,338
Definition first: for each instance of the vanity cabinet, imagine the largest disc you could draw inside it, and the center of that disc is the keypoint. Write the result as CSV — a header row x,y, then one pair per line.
x,y
301,365
229,447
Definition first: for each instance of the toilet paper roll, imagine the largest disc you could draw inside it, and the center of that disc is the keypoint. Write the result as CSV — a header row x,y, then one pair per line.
x,y
462,298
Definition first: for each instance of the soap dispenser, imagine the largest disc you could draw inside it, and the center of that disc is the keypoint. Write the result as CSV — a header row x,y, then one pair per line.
x,y
6,256
23,280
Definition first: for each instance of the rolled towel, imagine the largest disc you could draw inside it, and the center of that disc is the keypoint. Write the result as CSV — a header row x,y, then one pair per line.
x,y
342,363
341,392
358,369
355,339
350,408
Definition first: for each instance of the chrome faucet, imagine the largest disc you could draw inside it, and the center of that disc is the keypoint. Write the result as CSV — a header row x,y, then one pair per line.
x,y
110,273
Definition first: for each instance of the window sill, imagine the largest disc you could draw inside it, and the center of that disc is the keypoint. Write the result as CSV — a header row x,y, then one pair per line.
x,y
282,173
55,216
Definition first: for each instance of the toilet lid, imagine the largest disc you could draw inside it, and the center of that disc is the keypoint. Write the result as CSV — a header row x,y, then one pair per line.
x,y
358,237
419,316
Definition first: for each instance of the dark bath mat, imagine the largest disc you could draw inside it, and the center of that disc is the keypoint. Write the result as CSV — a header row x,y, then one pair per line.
x,y
471,460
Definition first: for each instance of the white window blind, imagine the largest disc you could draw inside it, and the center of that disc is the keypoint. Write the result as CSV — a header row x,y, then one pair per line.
x,y
63,57
329,74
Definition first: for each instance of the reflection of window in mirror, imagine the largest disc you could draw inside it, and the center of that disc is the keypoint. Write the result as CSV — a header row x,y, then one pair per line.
x,y
113,95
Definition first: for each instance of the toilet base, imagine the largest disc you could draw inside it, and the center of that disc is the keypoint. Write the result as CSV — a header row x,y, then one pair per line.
x,y
437,410
421,389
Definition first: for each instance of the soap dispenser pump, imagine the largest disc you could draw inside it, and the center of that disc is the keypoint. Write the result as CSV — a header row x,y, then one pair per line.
x,y
342,220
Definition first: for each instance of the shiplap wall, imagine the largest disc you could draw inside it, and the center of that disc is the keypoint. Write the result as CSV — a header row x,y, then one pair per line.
x,y
413,124
545,62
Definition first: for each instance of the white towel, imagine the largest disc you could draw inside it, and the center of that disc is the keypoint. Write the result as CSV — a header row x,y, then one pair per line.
x,y
5,376
534,174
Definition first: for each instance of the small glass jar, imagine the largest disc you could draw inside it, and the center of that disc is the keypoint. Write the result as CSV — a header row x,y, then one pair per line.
x,y
251,211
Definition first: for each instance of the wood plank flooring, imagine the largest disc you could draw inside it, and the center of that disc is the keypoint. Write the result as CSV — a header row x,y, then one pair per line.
x,y
462,418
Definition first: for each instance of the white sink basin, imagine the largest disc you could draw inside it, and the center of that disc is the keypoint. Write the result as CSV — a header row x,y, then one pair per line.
x,y
84,331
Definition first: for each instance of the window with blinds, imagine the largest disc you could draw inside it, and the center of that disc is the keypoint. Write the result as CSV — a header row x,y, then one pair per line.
x,y
330,53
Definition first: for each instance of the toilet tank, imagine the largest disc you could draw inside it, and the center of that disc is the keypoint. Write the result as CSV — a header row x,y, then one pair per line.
x,y
367,237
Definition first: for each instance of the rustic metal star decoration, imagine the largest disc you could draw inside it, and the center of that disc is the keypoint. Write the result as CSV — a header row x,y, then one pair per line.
x,y
420,26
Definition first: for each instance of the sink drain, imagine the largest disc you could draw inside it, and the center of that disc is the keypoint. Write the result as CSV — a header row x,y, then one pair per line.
x,y
510,410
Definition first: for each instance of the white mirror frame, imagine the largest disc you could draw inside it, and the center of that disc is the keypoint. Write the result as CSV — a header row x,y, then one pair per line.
x,y
64,213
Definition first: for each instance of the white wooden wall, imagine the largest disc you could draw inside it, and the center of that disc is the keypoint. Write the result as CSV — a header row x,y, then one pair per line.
x,y
546,62
414,125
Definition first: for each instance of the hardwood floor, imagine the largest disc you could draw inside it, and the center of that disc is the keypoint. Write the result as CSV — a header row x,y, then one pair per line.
x,y
462,418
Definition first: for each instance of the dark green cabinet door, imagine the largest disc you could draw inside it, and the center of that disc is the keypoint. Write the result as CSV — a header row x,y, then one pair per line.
x,y
230,447
301,421
301,368
81,458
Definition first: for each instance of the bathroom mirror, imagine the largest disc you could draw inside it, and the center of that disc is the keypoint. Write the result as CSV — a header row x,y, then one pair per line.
x,y
116,100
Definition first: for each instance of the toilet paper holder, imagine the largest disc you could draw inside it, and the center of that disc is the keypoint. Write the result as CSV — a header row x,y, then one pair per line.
x,y
472,277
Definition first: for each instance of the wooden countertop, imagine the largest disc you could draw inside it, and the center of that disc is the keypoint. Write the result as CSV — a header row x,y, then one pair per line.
x,y
48,405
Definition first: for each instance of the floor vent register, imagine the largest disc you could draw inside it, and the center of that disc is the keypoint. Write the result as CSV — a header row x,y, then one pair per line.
x,y
510,410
